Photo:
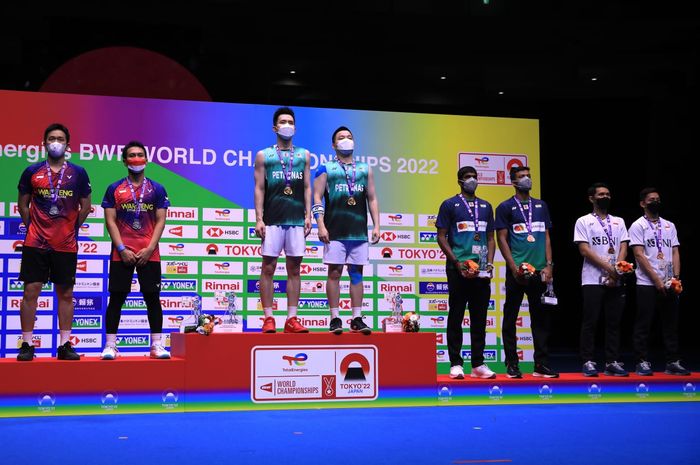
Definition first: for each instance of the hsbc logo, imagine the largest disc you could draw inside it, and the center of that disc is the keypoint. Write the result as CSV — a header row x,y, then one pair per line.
x,y
214,232
388,236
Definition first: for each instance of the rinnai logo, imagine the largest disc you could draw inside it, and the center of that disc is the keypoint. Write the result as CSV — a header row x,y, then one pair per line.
x,y
403,287
211,285
43,303
490,322
182,213
176,231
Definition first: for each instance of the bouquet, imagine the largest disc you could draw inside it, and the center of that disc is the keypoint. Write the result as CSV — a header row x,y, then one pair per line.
x,y
525,270
206,324
622,267
675,285
411,322
470,267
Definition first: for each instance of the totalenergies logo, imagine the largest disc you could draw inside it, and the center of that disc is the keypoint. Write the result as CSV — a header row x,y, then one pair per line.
x,y
222,266
482,161
311,250
396,269
176,247
84,227
396,218
176,319
298,359
224,212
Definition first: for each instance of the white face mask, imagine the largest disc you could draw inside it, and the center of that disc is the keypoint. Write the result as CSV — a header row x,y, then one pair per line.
x,y
285,131
56,149
345,146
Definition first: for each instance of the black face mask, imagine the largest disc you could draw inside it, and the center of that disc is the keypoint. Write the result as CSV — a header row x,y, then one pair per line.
x,y
603,203
654,207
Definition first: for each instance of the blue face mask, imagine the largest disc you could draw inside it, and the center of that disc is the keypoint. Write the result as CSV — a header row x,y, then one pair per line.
x,y
470,185
524,184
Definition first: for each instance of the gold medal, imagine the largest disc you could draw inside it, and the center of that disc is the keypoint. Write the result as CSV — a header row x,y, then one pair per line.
x,y
660,256
352,201
530,238
288,190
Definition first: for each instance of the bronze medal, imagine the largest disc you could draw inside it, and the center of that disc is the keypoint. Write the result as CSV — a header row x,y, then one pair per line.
x,y
611,250
288,190
352,201
530,238
477,237
660,256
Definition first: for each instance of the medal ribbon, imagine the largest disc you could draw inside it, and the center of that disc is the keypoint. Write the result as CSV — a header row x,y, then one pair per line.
x,y
351,184
608,230
474,214
657,233
287,173
528,219
133,196
52,189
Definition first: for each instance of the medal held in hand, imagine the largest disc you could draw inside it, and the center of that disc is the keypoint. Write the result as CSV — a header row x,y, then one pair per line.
x,y
549,298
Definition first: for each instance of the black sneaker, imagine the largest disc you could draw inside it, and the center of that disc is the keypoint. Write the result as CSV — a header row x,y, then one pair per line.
x,y
359,326
67,352
615,369
26,353
336,326
675,368
589,369
512,371
643,368
543,371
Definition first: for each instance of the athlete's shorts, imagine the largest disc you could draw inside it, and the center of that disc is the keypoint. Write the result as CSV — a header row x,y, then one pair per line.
x,y
346,252
291,239
121,275
40,265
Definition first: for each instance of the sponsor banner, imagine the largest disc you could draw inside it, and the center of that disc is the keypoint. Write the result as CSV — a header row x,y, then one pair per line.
x,y
223,214
523,321
13,265
179,267
41,321
489,355
396,270
87,322
433,287
87,302
222,267
427,237
427,221
397,237
346,304
490,322
89,266
493,168
229,233
406,253
441,356
171,321
524,339
167,302
174,285
315,287
254,303
96,211
180,249
440,339
14,210
433,321
139,321
8,246
182,214
91,230
313,251
391,287
226,285
313,269
180,231
94,248
15,285
133,340
85,341
88,284
345,287
313,304
313,373
491,339
43,303
255,268
280,286
384,305
214,303
524,355
396,219
433,305
41,341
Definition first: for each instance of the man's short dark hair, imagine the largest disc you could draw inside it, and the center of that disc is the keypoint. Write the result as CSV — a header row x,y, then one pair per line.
x,y
595,186
517,169
282,111
646,191
466,170
133,143
341,128
59,127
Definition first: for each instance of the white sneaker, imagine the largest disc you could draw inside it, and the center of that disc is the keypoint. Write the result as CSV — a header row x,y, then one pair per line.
x,y
109,353
483,372
457,372
158,351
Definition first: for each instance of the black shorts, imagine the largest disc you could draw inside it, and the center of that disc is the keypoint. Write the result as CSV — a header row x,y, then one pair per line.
x,y
40,265
121,274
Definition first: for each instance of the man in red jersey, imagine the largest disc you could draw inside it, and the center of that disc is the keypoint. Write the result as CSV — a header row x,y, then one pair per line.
x,y
135,211
54,200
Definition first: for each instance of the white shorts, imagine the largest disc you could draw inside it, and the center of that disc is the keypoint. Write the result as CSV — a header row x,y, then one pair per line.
x,y
346,252
291,239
